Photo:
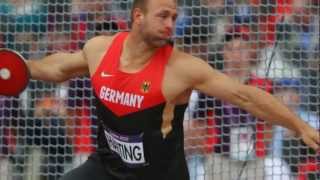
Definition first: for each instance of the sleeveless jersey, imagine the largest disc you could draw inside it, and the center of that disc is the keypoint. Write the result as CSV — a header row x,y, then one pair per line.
x,y
129,108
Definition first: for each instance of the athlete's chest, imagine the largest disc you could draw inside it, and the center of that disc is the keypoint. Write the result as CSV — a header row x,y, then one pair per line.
x,y
136,91
126,93
129,92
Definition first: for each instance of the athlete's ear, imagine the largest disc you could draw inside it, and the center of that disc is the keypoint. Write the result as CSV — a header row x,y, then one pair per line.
x,y
137,15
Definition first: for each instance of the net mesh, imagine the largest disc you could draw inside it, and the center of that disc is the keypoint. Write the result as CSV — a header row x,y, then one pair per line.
x,y
271,44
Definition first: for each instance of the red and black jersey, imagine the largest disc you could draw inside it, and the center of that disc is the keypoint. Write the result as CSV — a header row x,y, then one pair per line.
x,y
130,107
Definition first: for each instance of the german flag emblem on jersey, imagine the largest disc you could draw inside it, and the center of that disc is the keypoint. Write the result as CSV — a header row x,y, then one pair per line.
x,y
145,87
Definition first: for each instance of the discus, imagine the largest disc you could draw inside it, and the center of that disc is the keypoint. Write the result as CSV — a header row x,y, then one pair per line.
x,y
14,73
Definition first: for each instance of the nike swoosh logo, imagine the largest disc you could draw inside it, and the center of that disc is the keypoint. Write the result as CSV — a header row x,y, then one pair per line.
x,y
103,74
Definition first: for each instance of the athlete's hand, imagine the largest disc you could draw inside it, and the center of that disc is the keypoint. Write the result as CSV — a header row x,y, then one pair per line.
x,y
311,137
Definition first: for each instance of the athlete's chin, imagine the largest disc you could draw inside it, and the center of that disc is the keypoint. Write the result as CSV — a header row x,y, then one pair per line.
x,y
160,43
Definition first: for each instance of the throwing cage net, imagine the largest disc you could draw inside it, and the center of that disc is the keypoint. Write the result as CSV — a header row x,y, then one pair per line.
x,y
272,44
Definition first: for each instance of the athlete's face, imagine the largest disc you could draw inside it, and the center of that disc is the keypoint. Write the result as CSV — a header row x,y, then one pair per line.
x,y
158,22
237,56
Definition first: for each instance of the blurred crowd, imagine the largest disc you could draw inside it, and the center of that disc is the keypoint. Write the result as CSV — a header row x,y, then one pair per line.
x,y
270,44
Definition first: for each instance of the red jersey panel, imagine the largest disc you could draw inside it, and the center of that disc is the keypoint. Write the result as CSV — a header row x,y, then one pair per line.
x,y
125,93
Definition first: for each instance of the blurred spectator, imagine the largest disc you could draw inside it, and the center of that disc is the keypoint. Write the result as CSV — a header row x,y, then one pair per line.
x,y
192,37
22,22
87,6
201,19
241,138
288,32
238,140
47,131
294,48
193,41
213,4
300,30
300,33
59,41
87,14
81,124
293,150
239,57
8,122
26,17
274,65
243,12
11,116
195,131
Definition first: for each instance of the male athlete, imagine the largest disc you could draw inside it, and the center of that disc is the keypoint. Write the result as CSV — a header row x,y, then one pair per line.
x,y
142,86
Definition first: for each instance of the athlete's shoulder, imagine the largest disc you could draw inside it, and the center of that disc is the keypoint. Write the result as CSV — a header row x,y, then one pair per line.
x,y
180,59
98,42
188,68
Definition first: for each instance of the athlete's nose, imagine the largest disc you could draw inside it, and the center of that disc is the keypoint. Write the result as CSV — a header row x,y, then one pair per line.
x,y
168,31
169,26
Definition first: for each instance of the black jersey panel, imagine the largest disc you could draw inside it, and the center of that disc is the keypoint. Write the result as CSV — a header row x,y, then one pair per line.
x,y
164,156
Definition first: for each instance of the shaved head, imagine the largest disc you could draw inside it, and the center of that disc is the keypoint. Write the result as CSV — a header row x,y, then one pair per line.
x,y
141,4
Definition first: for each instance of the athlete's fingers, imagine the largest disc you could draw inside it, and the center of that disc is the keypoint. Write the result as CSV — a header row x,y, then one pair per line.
x,y
313,144
316,138
14,73
310,139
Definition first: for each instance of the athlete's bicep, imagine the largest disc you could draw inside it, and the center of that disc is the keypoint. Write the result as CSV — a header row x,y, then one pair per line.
x,y
59,67
76,65
213,82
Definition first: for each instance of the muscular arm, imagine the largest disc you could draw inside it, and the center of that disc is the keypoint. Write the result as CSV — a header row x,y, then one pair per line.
x,y
254,100
58,67
258,102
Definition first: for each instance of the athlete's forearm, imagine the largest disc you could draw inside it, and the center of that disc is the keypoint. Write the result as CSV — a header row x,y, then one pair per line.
x,y
264,106
58,67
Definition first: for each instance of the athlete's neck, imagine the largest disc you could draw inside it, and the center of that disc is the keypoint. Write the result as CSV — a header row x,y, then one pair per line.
x,y
135,53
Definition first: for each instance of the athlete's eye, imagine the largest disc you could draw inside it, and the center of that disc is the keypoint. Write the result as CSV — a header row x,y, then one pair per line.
x,y
174,18
163,16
